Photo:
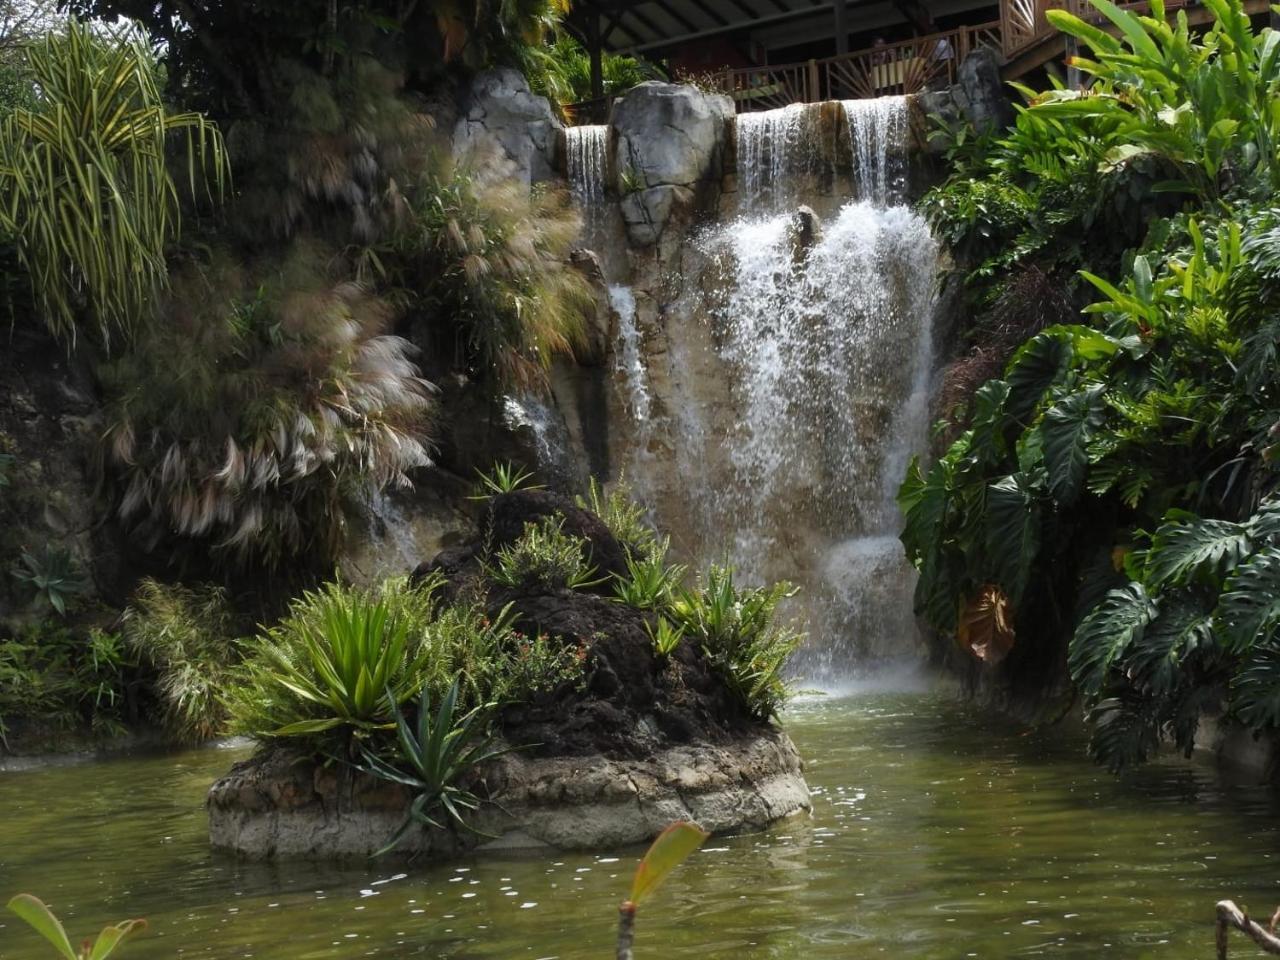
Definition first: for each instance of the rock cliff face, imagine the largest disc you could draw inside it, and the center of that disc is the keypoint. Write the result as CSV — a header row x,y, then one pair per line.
x,y
504,130
669,149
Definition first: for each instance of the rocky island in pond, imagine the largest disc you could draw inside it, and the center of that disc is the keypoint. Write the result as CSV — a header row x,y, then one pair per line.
x,y
629,701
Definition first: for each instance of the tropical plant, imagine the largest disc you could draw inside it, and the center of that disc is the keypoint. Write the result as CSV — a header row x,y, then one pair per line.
x,y
666,637
187,636
54,575
1036,514
503,477
625,517
491,661
258,409
737,631
437,756
1202,105
544,558
671,848
561,71
85,186
330,665
41,919
650,581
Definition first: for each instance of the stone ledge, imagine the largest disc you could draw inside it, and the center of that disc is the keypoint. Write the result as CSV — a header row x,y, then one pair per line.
x,y
273,807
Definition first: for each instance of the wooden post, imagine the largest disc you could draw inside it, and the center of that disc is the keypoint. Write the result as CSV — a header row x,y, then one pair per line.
x,y
812,95
595,48
842,27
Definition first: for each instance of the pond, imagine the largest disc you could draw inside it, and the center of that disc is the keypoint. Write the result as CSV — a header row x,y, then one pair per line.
x,y
939,831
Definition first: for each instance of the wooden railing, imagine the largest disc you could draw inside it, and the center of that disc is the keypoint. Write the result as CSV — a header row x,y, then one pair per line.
x,y
909,66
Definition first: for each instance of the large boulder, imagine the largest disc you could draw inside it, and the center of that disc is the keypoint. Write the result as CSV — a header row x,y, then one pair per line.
x,y
978,96
506,129
669,148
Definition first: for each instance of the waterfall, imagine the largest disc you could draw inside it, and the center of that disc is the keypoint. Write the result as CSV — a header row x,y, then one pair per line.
x,y
586,150
777,150
829,354
628,356
877,140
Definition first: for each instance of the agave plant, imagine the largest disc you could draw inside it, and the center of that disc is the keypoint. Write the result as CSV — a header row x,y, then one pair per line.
x,y
345,658
85,187
544,557
53,574
436,755
36,914
666,637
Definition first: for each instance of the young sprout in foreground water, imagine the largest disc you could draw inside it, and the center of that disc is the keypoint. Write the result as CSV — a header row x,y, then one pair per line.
x,y
671,848
41,919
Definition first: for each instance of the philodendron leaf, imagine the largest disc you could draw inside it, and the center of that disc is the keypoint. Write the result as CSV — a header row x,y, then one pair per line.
x,y
41,919
671,848
112,936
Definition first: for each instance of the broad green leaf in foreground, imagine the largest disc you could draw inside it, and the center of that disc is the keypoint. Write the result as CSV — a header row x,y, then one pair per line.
x,y
671,848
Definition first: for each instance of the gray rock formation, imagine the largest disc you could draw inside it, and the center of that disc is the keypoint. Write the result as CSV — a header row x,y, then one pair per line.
x,y
978,95
506,129
275,808
669,148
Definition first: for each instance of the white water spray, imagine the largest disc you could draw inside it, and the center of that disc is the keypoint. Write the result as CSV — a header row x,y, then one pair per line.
x,y
585,149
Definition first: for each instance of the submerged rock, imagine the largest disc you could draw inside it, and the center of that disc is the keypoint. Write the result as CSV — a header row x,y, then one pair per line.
x,y
276,806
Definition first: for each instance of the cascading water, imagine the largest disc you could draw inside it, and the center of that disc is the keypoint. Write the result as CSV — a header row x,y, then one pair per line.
x,y
586,155
628,355
829,351
877,141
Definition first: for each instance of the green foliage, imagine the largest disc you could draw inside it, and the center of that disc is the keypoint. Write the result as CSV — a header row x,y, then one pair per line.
x,y
434,759
263,402
187,637
53,574
1205,106
1157,416
337,657
57,679
650,582
41,919
492,256
544,558
85,187
286,682
665,636
561,71
626,519
503,478
737,631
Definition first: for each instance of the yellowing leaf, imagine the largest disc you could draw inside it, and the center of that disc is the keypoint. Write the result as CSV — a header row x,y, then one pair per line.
x,y
113,936
985,627
671,848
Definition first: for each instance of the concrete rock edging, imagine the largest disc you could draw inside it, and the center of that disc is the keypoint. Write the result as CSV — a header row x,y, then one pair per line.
x,y
276,807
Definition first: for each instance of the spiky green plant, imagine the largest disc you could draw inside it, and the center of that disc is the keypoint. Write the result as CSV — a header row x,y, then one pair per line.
x,y
329,665
436,756
625,517
503,477
650,581
738,633
53,574
85,185
666,636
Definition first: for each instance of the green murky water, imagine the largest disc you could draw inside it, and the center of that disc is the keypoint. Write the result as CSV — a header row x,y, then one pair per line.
x,y
938,832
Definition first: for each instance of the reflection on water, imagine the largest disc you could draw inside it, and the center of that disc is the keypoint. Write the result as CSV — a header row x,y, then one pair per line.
x,y
938,832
